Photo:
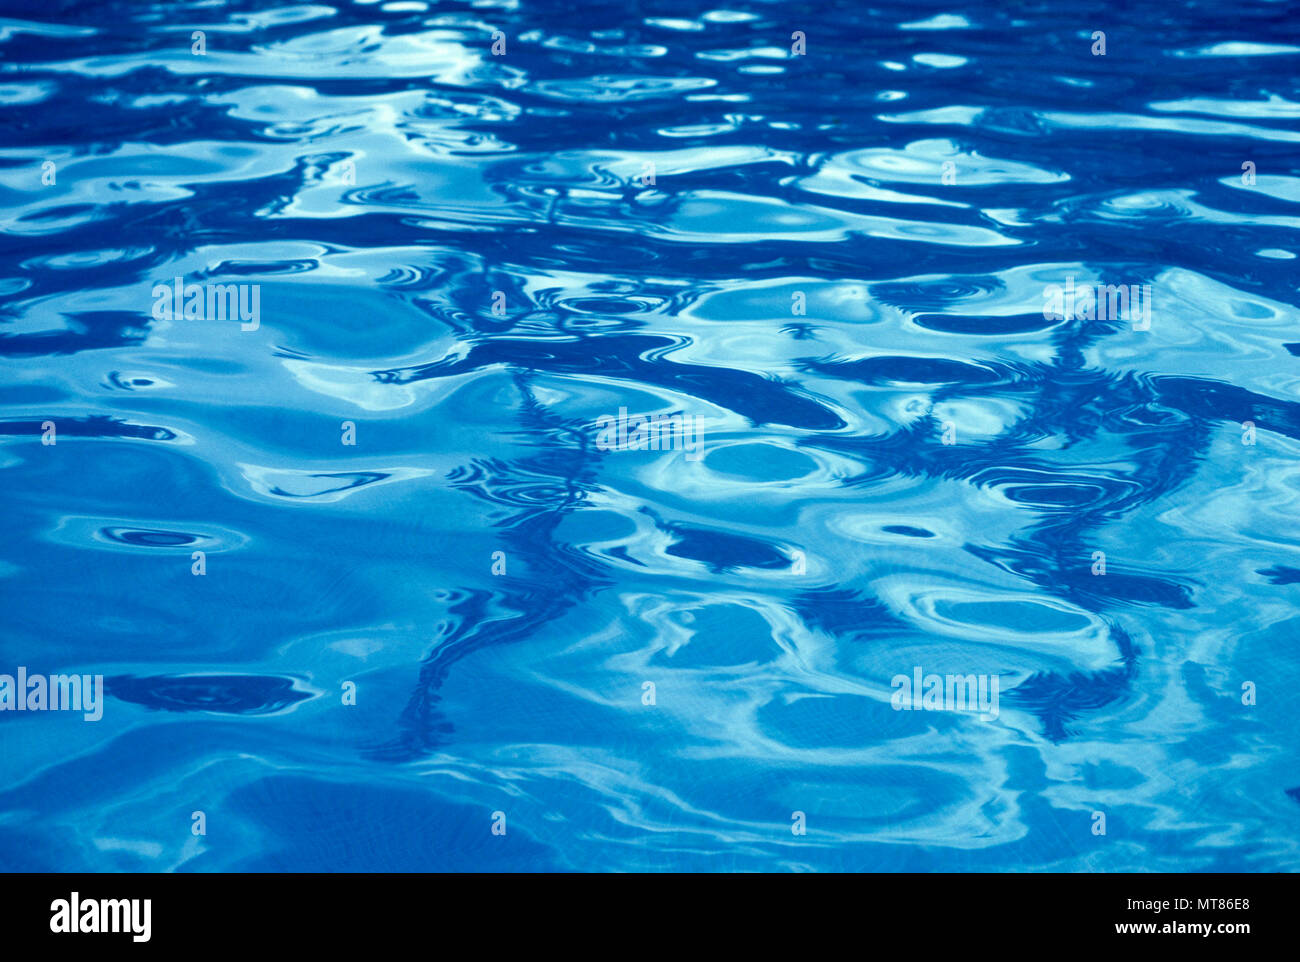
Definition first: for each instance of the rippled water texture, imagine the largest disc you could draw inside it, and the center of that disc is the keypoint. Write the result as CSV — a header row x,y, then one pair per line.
x,y
824,237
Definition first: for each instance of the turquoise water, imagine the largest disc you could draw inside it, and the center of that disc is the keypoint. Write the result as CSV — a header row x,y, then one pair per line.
x,y
394,571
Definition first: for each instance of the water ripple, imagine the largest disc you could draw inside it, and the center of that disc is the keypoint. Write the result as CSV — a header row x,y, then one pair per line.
x,y
591,417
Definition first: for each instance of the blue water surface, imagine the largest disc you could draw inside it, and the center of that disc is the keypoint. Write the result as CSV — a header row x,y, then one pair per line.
x,y
369,590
